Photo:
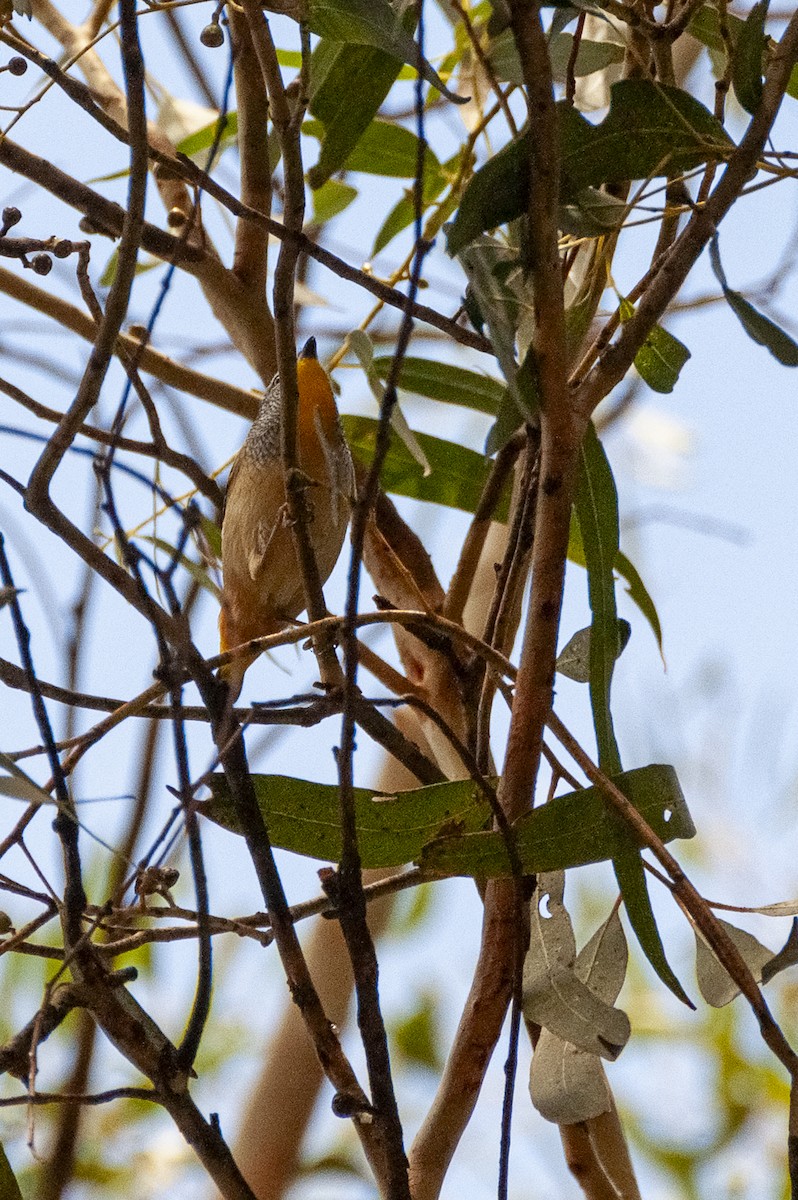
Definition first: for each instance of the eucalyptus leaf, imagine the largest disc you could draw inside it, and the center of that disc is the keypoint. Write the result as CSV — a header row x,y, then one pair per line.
x,y
592,57
747,63
9,1188
331,199
456,478
758,327
554,996
442,381
373,23
596,507
20,786
362,347
631,876
714,982
660,359
574,658
305,817
569,831
650,130
568,1084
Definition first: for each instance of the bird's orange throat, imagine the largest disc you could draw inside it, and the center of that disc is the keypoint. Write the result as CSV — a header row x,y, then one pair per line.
x,y
315,396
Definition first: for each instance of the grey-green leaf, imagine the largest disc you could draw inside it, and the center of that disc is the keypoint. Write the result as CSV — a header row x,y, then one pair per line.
x,y
714,982
574,658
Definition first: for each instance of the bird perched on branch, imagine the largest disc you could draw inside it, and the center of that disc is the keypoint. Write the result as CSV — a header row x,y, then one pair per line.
x,y
262,582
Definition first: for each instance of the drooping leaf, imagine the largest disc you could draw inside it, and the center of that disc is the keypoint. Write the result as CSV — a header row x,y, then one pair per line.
x,y
650,130
331,199
631,876
749,52
442,381
568,1084
391,830
456,478
485,264
638,592
596,507
714,982
554,996
635,588
571,830
786,957
574,658
372,23
758,327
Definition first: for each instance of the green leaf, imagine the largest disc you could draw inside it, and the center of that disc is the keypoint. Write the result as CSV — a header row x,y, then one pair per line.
x,y
749,53
331,199
196,145
391,150
372,23
592,214
631,876
650,130
416,1037
758,327
705,27
9,1188
596,506
485,264
592,56
574,658
391,830
441,381
638,592
457,475
569,831
660,359
348,85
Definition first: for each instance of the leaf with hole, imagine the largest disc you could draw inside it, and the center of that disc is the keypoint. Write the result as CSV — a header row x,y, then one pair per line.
x,y
554,996
571,830
567,1084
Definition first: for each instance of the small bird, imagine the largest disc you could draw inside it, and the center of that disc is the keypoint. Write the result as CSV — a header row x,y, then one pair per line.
x,y
262,582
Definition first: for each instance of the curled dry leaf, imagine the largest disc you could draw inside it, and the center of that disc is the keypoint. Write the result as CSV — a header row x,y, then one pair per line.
x,y
556,995
568,1084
